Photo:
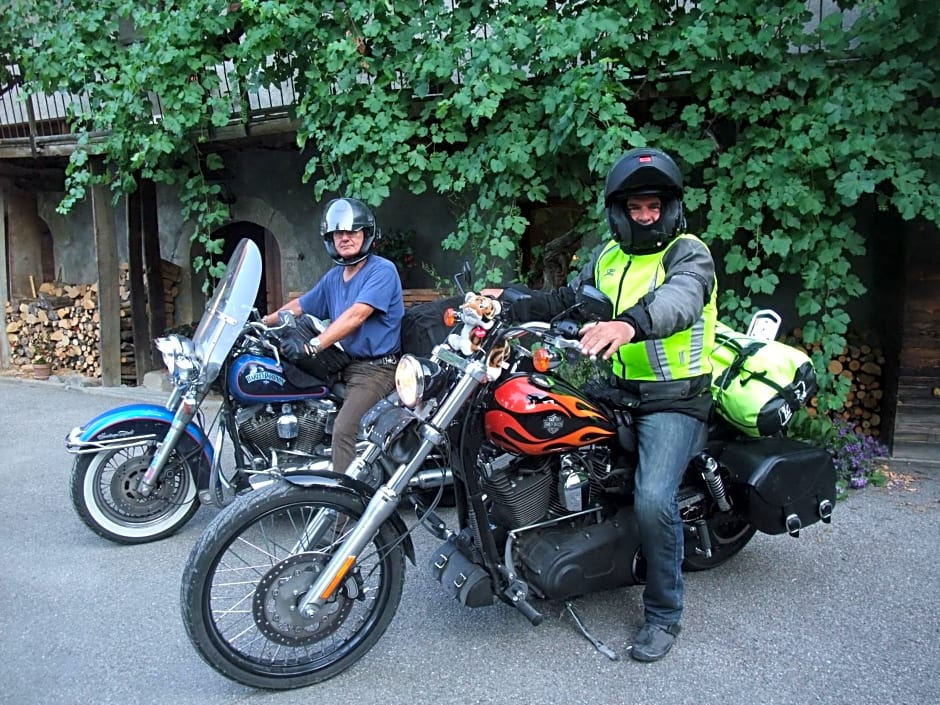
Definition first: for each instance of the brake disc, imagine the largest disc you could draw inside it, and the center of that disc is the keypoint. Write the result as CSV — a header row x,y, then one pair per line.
x,y
126,478
274,606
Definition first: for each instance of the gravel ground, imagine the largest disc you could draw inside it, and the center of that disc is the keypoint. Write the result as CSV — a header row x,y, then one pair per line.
x,y
843,614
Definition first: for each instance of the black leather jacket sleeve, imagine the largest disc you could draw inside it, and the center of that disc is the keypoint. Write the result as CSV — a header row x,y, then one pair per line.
x,y
673,306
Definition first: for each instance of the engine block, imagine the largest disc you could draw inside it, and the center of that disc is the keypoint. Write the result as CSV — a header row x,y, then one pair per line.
x,y
519,500
260,429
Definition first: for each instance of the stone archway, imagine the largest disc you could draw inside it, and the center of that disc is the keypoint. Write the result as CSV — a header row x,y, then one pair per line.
x,y
269,293
280,238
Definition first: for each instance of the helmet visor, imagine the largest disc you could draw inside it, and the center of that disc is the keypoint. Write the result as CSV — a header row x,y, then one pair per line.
x,y
341,215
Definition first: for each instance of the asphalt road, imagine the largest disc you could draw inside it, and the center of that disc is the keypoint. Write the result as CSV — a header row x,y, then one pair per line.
x,y
847,613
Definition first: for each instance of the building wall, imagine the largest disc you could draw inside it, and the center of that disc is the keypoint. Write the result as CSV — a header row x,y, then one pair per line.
x,y
24,252
268,190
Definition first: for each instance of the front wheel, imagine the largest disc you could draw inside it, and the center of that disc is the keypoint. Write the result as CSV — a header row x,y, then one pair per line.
x,y
252,566
104,493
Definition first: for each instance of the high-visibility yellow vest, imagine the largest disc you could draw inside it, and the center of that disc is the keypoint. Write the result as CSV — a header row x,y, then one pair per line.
x,y
628,278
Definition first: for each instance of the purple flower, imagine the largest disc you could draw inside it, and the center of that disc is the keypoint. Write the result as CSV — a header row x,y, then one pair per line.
x,y
858,482
854,454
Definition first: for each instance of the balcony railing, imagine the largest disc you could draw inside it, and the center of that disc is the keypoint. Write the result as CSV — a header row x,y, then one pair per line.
x,y
37,122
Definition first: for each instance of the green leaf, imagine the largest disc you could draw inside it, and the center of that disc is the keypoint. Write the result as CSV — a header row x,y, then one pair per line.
x,y
785,129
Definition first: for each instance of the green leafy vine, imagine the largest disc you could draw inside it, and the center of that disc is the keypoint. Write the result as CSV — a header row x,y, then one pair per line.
x,y
782,124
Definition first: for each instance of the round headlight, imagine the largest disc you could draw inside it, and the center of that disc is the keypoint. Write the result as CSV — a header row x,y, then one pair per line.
x,y
409,380
417,380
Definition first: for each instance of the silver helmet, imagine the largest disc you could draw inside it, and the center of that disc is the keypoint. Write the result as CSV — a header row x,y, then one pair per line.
x,y
348,214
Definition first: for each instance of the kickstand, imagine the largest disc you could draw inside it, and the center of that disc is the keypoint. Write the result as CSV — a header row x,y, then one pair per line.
x,y
598,644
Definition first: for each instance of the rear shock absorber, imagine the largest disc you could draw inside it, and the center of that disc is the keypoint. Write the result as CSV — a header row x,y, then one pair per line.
x,y
716,486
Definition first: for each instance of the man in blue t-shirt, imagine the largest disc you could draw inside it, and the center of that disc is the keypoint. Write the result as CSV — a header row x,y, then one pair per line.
x,y
362,299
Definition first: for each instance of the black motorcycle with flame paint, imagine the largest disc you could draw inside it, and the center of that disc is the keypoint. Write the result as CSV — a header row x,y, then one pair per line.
x,y
293,583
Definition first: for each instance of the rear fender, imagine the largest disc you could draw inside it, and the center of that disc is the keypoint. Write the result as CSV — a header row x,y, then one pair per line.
x,y
138,424
305,477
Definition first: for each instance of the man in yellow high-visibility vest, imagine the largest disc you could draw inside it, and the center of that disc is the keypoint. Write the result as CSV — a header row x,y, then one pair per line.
x,y
661,281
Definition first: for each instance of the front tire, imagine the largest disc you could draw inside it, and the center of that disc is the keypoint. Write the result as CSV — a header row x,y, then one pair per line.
x,y
104,493
243,579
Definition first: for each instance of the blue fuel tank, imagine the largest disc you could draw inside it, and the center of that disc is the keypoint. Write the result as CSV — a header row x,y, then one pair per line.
x,y
260,380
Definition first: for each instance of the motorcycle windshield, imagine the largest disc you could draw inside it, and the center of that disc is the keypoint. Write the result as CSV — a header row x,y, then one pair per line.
x,y
229,308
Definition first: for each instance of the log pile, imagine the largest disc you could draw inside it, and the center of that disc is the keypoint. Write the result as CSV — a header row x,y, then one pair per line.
x,y
171,280
861,364
63,322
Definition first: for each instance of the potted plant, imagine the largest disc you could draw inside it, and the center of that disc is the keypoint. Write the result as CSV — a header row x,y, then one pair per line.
x,y
397,246
42,356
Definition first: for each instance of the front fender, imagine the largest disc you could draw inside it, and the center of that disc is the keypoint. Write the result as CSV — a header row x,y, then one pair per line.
x,y
305,477
137,424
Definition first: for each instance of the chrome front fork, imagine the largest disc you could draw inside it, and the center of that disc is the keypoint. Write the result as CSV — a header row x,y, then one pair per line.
x,y
382,505
321,521
386,499
186,410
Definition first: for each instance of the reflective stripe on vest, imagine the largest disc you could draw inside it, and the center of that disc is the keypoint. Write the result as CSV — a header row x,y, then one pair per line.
x,y
628,278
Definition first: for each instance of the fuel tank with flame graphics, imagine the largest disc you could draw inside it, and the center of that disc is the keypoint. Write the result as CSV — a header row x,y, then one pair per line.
x,y
534,414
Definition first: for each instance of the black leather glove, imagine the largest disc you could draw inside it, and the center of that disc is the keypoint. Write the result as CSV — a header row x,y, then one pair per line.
x,y
296,346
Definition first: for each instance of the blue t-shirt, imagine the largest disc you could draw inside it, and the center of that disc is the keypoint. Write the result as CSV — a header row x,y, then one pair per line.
x,y
376,284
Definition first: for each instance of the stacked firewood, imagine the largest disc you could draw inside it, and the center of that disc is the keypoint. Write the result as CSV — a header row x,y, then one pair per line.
x,y
171,279
861,364
63,322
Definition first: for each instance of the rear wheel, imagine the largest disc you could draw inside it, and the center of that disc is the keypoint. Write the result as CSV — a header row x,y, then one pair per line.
x,y
104,493
727,534
248,572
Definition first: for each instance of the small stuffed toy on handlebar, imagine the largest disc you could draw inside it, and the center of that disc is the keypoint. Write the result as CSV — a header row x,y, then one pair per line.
x,y
478,314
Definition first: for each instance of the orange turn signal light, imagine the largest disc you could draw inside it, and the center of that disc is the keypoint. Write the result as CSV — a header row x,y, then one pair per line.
x,y
450,317
541,359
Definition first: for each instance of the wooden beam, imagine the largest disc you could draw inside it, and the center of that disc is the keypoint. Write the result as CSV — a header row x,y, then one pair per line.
x,y
109,299
4,282
135,284
153,270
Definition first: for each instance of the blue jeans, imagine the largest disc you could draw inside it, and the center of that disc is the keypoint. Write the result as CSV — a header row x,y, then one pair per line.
x,y
667,441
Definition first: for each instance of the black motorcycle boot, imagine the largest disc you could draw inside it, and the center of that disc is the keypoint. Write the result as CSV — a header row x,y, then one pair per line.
x,y
653,642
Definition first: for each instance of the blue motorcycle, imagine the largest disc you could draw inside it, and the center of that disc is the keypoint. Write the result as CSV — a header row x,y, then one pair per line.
x,y
142,470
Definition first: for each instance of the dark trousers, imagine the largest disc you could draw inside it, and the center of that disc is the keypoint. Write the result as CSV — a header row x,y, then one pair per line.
x,y
366,384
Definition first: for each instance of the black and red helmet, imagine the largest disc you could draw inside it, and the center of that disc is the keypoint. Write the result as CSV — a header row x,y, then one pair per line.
x,y
644,172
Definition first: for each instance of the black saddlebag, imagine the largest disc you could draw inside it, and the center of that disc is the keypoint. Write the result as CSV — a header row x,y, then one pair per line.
x,y
779,484
423,325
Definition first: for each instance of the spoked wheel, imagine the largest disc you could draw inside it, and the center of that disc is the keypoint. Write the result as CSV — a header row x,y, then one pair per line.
x,y
728,534
255,562
104,493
